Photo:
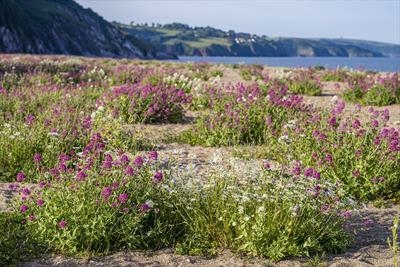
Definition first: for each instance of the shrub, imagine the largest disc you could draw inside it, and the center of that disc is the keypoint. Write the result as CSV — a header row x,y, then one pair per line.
x,y
262,213
146,103
94,203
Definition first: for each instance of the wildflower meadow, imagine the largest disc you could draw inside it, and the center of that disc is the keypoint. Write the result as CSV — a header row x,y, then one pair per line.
x,y
86,179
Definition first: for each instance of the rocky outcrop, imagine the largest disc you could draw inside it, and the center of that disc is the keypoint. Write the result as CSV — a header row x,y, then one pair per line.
x,y
64,27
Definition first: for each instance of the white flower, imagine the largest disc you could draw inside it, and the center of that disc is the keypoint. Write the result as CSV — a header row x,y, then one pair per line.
x,y
149,203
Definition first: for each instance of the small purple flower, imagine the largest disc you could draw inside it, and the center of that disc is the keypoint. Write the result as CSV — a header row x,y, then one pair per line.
x,y
124,159
29,119
81,176
123,198
129,171
316,175
309,172
26,191
158,176
39,202
374,123
266,165
115,185
356,124
153,155
296,170
106,193
37,158
381,179
374,180
346,214
332,121
20,177
107,164
23,208
62,224
368,223
138,161
31,217
329,158
356,173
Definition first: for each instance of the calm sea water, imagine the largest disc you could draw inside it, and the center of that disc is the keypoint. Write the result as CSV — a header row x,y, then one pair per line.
x,y
377,64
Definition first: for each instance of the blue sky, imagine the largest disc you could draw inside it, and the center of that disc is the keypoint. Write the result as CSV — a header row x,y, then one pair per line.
x,y
377,20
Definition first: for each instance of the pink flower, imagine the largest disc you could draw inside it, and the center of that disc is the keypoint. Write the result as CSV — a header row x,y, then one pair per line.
x,y
153,155
62,224
39,202
20,177
23,208
158,176
81,176
106,193
123,198
129,171
26,191
37,158
138,161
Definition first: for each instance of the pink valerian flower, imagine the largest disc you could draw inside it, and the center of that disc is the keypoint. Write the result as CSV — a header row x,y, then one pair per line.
x,y
25,191
147,206
87,122
356,124
356,173
62,224
153,155
329,158
325,208
81,176
37,158
268,121
39,202
296,170
31,217
338,108
29,119
310,172
124,160
332,121
266,165
129,171
123,198
20,177
23,208
368,223
158,176
374,123
115,185
346,214
138,161
106,193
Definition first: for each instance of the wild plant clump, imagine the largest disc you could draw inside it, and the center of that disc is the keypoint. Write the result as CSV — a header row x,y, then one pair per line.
x,y
377,91
96,201
148,104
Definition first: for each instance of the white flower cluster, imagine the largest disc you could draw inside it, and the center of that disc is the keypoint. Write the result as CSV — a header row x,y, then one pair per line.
x,y
183,82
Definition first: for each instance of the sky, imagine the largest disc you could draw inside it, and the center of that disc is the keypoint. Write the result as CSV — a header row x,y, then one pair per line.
x,y
376,20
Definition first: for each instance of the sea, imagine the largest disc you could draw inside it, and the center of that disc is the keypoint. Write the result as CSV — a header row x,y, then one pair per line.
x,y
384,64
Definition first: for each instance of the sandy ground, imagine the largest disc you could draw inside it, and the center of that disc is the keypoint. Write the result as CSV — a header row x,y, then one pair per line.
x,y
369,247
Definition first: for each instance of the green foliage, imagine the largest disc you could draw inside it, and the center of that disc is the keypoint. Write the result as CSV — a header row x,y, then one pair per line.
x,y
15,242
260,217
308,87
